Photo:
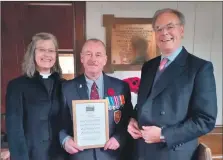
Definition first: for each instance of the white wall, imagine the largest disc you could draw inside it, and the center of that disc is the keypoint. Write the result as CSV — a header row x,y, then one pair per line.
x,y
203,30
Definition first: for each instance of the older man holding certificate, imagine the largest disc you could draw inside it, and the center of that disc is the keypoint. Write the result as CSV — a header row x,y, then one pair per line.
x,y
96,87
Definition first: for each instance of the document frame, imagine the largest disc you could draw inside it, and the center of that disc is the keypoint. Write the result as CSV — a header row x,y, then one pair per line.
x,y
90,116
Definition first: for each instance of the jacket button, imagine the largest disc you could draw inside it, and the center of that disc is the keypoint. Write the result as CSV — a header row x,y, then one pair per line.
x,y
162,113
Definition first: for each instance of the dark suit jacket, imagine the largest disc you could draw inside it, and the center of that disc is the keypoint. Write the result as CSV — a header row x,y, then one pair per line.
x,y
73,91
183,101
33,118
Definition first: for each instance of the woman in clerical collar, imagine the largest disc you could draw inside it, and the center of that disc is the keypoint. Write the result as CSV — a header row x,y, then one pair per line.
x,y
33,105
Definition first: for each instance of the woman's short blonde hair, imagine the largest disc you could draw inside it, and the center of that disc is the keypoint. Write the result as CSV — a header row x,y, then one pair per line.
x,y
29,63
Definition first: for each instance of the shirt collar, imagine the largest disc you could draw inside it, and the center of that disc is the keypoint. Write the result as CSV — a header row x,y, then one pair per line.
x,y
173,55
97,81
45,75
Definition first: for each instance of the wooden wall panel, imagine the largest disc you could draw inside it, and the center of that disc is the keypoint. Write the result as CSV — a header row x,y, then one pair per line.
x,y
54,18
79,9
12,41
12,31
21,20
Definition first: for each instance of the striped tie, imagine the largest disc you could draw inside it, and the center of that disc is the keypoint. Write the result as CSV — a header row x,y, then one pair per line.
x,y
163,63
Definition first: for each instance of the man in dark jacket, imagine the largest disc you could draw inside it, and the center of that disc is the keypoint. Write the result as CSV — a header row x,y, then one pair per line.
x,y
177,96
94,84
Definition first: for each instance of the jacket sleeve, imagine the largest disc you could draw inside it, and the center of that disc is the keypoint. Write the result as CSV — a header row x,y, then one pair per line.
x,y
203,108
66,123
14,122
121,132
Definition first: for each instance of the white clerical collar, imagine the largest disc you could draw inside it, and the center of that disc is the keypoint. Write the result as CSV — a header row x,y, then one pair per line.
x,y
45,75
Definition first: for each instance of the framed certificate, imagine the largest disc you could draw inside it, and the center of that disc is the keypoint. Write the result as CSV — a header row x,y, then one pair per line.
x,y
90,123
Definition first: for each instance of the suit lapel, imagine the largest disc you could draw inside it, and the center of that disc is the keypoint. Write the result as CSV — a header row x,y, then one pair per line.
x,y
175,69
82,88
107,83
150,74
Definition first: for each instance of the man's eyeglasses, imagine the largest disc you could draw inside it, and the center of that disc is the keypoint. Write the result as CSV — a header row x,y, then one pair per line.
x,y
168,27
43,50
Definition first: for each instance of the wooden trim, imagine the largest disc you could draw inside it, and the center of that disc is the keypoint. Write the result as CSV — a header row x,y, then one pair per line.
x,y
65,50
217,130
68,76
49,4
120,20
79,15
220,157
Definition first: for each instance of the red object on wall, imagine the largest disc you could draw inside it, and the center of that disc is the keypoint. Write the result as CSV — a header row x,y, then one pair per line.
x,y
134,83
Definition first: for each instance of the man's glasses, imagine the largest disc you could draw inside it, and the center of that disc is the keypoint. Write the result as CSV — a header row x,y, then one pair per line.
x,y
43,50
168,27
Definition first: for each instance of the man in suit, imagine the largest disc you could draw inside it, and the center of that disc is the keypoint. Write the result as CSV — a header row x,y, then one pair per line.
x,y
94,84
177,96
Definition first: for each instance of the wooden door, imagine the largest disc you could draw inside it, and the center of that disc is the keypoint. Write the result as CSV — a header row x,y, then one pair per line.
x,y
21,20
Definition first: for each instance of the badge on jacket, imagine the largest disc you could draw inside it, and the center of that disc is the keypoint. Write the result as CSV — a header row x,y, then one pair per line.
x,y
117,116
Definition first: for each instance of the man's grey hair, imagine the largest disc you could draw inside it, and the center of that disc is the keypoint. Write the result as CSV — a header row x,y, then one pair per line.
x,y
168,10
94,40
29,63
